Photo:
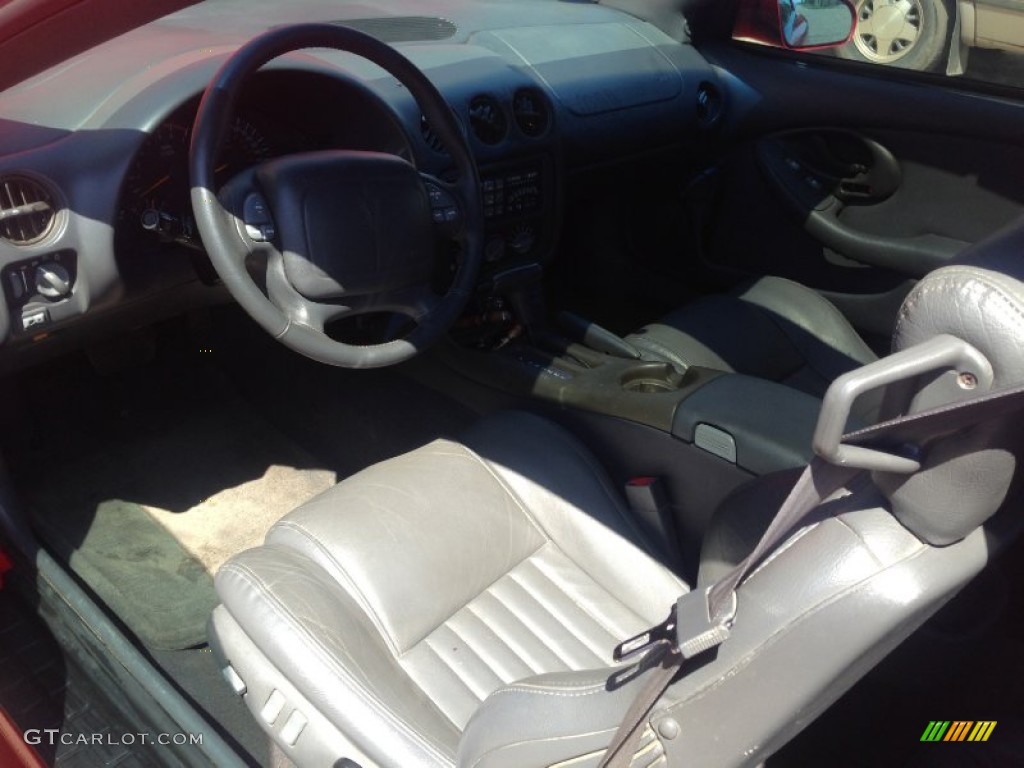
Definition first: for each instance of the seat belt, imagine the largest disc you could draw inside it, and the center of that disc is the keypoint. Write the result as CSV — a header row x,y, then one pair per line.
x,y
700,621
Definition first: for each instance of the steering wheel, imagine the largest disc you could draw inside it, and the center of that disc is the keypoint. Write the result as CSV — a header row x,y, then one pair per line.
x,y
309,238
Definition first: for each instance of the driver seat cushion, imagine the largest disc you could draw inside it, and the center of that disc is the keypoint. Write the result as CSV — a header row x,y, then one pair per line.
x,y
773,329
522,582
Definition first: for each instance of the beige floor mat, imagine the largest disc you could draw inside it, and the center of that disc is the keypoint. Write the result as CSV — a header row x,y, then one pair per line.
x,y
148,515
237,518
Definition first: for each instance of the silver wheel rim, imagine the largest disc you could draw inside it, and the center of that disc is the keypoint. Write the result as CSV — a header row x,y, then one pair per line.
x,y
888,30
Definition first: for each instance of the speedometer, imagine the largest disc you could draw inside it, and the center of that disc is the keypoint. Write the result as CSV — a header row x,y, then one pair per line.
x,y
156,191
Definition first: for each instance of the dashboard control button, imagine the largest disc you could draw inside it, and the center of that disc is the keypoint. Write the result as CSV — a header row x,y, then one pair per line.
x,y
150,219
52,281
259,225
17,282
255,210
34,318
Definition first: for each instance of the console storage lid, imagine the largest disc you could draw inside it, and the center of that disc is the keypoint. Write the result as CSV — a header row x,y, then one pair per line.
x,y
760,425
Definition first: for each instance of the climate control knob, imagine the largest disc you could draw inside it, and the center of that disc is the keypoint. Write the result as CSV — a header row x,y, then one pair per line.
x,y
52,280
524,237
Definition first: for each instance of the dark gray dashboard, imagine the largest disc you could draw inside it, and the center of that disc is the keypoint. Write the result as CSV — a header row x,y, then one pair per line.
x,y
542,88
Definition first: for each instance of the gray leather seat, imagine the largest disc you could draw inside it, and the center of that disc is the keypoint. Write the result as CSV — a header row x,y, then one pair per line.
x,y
396,602
457,606
773,329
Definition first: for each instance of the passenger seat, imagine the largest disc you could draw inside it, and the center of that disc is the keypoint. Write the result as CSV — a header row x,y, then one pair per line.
x,y
775,329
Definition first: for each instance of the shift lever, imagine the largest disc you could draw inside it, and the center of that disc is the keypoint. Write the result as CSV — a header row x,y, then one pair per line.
x,y
594,336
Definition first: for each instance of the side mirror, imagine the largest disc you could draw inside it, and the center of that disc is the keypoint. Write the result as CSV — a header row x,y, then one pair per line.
x,y
799,25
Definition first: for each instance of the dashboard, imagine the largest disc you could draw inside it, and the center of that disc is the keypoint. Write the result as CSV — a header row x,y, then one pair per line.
x,y
94,188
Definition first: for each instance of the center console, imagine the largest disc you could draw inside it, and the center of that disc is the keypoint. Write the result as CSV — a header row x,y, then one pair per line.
x,y
754,425
702,432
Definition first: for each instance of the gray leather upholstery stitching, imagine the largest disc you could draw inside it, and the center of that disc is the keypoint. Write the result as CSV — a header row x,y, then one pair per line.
x,y
547,608
508,490
348,585
517,744
534,630
945,282
515,652
612,631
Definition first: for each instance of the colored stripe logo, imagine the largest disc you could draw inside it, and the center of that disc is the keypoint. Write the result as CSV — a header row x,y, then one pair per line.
x,y
958,730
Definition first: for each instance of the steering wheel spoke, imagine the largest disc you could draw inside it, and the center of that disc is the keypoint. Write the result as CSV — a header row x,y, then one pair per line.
x,y
416,302
300,309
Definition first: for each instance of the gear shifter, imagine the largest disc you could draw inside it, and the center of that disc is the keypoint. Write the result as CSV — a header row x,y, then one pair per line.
x,y
594,336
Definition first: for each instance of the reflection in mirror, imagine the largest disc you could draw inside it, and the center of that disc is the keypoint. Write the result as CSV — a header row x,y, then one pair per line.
x,y
814,23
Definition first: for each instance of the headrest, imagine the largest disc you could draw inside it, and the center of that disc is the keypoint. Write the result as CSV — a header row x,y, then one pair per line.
x,y
978,298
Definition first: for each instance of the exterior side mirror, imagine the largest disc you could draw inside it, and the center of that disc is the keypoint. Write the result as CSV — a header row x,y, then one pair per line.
x,y
799,25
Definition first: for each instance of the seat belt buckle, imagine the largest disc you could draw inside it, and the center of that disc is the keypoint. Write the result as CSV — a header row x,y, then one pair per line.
x,y
660,633
696,630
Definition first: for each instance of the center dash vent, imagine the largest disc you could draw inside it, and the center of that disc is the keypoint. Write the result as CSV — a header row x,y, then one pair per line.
x,y
487,119
403,29
429,136
27,210
530,109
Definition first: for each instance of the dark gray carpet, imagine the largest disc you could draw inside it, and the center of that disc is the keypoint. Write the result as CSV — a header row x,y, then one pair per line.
x,y
195,670
167,489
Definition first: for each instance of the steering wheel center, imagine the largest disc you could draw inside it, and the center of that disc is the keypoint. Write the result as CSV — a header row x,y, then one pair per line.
x,y
350,223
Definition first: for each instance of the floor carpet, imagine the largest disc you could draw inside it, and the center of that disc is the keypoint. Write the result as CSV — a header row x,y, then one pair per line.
x,y
212,475
144,466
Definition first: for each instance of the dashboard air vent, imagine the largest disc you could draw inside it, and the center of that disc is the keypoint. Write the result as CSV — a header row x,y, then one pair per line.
x,y
487,119
531,111
404,29
709,105
432,139
27,210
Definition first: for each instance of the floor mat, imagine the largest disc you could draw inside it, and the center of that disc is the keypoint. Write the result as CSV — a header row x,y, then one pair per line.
x,y
215,480
150,494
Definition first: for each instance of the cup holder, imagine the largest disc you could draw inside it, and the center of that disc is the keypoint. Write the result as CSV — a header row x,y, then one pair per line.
x,y
652,378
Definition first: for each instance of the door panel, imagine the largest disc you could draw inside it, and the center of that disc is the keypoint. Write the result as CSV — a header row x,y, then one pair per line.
x,y
909,209
856,183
